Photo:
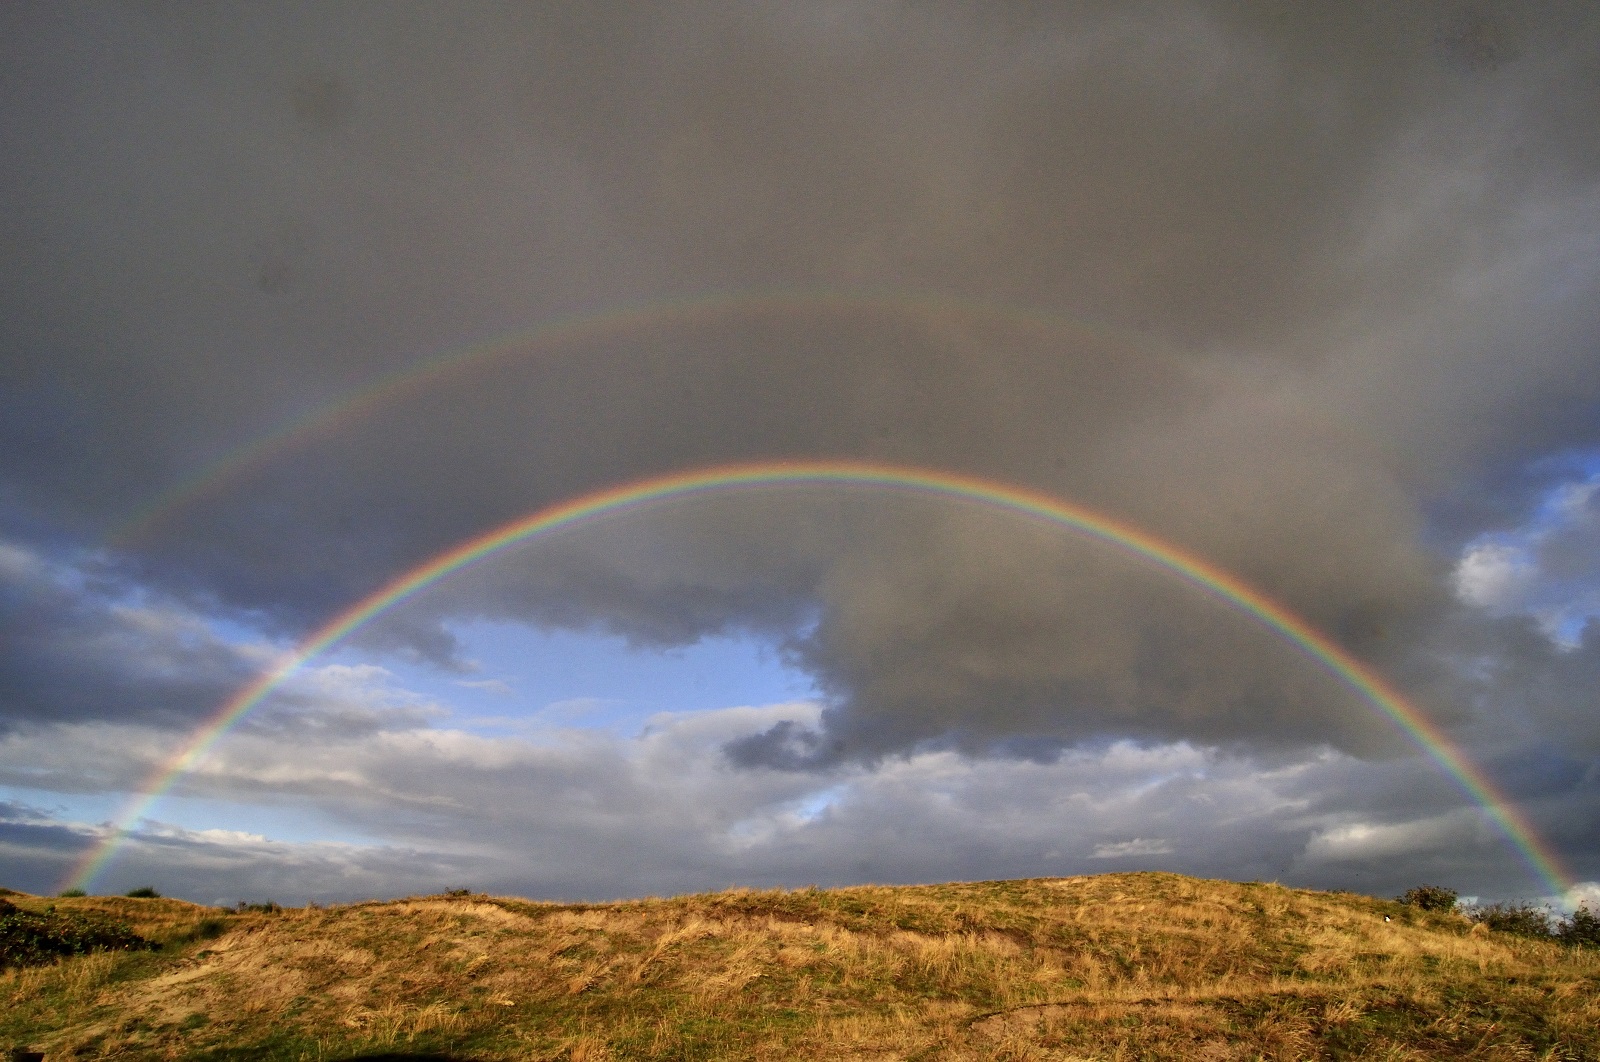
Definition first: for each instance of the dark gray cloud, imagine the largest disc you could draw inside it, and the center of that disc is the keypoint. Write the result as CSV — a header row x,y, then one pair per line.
x,y
1322,281
81,644
1524,680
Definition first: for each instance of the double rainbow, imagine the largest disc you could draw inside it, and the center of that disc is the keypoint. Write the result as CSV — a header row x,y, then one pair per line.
x,y
1022,501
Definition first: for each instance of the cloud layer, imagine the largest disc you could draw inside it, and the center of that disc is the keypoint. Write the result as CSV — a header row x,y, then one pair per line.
x,y
594,816
1309,293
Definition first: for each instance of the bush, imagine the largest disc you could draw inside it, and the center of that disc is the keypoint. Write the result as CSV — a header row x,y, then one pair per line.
x,y
28,939
144,892
1429,898
1583,927
207,929
1523,919
71,894
256,908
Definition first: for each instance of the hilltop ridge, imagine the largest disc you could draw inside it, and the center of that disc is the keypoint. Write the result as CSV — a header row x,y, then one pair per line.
x,y
1148,965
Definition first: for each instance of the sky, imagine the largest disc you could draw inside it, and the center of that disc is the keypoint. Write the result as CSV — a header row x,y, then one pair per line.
x,y
300,296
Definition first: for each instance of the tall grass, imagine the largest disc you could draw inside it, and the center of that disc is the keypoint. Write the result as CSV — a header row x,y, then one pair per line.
x,y
1128,966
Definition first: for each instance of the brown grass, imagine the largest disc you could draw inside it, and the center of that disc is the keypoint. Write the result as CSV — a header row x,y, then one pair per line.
x,y
1112,967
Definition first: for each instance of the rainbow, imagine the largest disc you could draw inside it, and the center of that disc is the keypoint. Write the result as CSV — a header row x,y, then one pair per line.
x,y
415,378
1022,501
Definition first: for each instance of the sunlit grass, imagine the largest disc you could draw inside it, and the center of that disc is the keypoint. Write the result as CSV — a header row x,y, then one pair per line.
x,y
1112,967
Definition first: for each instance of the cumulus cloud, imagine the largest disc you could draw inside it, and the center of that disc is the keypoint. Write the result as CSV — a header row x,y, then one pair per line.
x,y
1493,575
1546,569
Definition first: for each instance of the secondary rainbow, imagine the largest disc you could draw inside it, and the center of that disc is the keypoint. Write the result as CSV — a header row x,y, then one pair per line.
x,y
1199,573
619,322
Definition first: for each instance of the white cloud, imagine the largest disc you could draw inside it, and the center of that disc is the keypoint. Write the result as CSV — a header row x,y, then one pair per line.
x,y
1548,569
1139,846
499,687
1362,841
1583,894
1572,501
19,565
237,838
1494,575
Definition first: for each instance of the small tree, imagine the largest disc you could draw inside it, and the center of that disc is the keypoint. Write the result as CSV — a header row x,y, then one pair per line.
x,y
144,892
1583,927
1430,898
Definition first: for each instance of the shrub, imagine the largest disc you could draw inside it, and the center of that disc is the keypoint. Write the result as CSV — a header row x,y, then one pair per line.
x,y
28,939
207,929
1430,898
1583,927
72,894
1523,919
257,908
144,892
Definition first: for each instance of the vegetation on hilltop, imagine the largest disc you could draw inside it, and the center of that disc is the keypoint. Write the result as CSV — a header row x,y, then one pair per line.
x,y
1115,966
1430,898
1582,927
31,938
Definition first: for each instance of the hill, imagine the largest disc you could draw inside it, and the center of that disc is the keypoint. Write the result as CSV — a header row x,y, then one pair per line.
x,y
1115,966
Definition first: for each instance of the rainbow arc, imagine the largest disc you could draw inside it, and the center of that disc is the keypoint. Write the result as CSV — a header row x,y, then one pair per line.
x,y
618,323
1199,573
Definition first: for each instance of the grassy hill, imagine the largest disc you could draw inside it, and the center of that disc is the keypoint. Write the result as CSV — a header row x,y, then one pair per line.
x,y
1119,966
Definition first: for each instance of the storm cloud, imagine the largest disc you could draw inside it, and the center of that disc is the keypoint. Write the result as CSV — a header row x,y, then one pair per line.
x,y
1307,292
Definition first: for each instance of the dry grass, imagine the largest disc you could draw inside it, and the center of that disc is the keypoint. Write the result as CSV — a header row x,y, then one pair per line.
x,y
1114,967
